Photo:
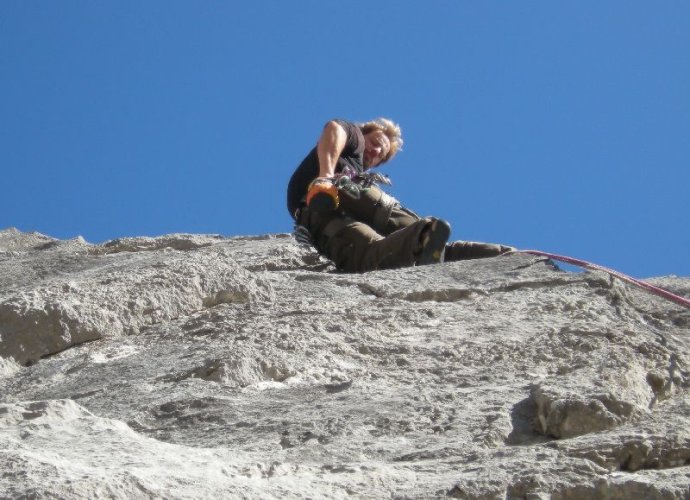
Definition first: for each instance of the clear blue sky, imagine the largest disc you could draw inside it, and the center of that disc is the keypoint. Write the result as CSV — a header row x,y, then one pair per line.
x,y
560,126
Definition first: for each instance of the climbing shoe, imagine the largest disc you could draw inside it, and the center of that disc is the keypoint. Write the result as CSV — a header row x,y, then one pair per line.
x,y
433,242
322,195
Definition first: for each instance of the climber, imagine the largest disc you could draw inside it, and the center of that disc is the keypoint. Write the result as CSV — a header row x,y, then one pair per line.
x,y
337,206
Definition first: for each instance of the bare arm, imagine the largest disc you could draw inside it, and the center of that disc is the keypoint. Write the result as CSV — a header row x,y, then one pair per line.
x,y
331,144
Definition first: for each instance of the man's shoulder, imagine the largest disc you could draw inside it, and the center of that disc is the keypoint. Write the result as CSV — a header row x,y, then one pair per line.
x,y
355,139
350,127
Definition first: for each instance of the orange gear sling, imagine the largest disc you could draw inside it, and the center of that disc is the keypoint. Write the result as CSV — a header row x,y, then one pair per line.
x,y
322,195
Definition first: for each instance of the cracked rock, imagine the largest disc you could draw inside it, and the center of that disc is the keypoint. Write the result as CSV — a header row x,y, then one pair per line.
x,y
197,366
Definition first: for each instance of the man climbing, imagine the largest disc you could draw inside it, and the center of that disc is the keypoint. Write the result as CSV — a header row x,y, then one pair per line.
x,y
337,205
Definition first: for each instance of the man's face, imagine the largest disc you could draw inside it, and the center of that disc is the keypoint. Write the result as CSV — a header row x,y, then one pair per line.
x,y
376,148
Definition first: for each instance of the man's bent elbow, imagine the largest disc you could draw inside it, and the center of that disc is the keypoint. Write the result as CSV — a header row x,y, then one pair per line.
x,y
333,137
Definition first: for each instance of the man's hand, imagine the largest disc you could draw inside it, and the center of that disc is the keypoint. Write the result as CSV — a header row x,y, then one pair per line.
x,y
322,195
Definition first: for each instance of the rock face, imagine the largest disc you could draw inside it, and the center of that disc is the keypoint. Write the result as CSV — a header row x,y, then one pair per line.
x,y
192,366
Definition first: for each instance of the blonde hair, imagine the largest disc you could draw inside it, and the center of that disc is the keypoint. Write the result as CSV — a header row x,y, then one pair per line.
x,y
392,131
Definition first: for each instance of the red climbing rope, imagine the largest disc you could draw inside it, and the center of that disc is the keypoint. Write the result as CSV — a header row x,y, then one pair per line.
x,y
588,265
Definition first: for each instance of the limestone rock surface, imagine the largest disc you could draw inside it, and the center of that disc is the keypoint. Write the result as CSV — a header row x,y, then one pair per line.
x,y
197,366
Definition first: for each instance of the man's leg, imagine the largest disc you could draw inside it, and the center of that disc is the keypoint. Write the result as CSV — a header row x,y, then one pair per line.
x,y
358,248
465,250
355,247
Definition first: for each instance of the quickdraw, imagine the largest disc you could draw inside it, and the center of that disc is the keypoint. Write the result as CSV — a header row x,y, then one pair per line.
x,y
624,277
354,182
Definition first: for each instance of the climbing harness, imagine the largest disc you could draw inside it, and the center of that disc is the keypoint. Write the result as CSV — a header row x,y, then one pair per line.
x,y
624,277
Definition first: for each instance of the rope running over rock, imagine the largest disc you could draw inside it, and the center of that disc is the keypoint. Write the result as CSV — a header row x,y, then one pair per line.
x,y
624,277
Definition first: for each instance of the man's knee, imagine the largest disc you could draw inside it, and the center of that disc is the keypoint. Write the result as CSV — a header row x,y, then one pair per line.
x,y
371,206
400,217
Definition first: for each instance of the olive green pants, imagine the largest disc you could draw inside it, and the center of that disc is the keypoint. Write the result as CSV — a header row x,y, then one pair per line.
x,y
372,231
366,232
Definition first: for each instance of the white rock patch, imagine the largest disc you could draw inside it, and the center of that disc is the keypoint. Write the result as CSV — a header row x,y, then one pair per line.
x,y
191,366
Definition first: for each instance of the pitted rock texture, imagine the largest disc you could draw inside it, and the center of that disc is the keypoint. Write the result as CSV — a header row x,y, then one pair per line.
x,y
115,296
197,366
